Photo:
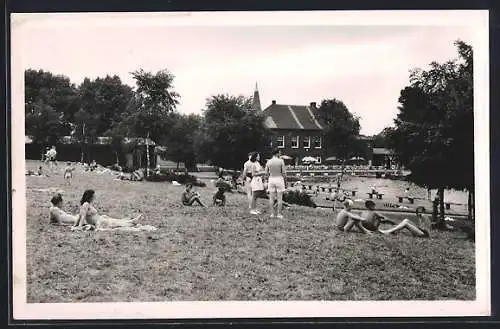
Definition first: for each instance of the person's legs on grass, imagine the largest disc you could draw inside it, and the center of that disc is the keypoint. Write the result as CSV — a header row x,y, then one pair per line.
x,y
405,224
280,204
355,223
197,200
254,210
272,198
249,194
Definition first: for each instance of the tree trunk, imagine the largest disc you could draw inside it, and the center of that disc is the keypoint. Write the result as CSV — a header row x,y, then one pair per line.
x,y
441,206
83,144
82,155
470,206
147,155
139,156
342,172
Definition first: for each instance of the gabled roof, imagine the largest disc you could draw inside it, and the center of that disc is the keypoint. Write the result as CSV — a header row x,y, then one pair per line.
x,y
296,117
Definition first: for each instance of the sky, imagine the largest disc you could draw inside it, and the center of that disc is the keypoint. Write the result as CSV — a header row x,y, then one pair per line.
x,y
364,66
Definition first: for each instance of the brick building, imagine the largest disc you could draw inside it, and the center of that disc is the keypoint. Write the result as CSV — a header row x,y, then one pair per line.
x,y
298,131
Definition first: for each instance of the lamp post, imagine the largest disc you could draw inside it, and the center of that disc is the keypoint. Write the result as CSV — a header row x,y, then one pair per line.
x,y
147,155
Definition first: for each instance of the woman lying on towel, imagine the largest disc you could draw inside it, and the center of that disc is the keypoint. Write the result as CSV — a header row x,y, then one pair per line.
x,y
59,216
89,216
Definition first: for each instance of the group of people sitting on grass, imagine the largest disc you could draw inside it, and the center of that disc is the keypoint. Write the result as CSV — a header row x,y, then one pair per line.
x,y
370,220
89,219
190,197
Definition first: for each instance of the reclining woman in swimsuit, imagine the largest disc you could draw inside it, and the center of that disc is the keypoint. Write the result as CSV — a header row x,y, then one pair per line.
x,y
88,215
59,216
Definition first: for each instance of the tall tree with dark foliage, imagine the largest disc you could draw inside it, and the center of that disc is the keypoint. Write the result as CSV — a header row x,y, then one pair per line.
x,y
230,129
434,129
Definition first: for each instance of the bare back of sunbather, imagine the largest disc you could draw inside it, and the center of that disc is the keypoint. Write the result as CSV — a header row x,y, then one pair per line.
x,y
60,217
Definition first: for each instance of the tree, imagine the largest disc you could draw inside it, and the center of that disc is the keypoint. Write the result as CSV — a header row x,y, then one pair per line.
x,y
148,114
342,128
382,139
341,132
103,101
118,132
102,104
180,138
50,104
434,130
230,130
44,124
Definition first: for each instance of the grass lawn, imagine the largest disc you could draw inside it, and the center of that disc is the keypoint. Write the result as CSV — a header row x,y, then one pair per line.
x,y
226,253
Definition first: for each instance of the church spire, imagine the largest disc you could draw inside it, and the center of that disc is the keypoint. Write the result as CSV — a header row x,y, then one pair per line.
x,y
256,99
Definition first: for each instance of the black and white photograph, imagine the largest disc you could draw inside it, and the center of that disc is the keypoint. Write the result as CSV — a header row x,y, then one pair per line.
x,y
250,164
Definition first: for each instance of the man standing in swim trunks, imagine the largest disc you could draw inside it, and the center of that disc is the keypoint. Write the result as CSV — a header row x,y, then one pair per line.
x,y
275,170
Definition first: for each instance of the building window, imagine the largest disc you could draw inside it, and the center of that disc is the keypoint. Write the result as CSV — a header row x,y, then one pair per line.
x,y
318,159
295,142
307,142
280,142
317,142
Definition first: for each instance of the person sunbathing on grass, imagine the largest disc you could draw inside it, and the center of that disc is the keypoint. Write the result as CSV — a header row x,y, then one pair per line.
x,y
57,215
346,220
38,173
420,228
89,216
189,197
370,220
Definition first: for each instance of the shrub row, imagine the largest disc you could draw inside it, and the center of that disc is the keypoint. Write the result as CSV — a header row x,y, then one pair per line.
x,y
170,177
299,198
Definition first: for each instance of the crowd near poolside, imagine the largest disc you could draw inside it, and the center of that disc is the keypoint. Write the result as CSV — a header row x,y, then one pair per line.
x,y
256,181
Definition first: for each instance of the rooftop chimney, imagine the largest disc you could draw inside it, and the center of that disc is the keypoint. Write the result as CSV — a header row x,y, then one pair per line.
x,y
313,104
274,102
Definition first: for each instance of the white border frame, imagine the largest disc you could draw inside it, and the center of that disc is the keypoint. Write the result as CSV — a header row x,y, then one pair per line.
x,y
175,310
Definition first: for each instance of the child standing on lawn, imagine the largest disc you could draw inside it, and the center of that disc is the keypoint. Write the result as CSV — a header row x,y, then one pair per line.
x,y
68,173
